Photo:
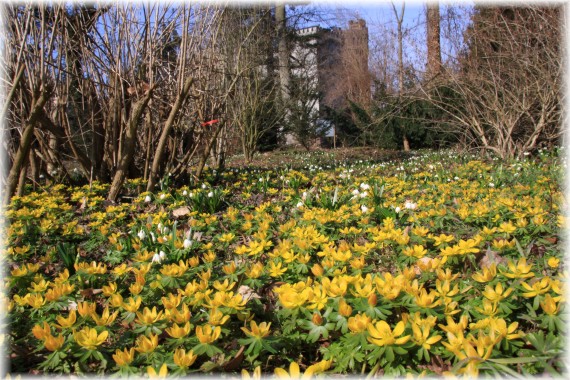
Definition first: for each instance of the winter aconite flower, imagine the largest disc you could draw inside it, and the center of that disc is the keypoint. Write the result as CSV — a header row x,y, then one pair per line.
x,y
382,335
207,334
257,331
125,357
162,372
184,359
89,338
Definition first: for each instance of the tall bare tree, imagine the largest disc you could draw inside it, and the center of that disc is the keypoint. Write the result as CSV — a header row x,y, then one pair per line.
x,y
434,64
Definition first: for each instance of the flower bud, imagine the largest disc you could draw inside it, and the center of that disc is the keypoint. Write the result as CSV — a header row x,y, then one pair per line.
x,y
317,319
344,309
372,299
317,270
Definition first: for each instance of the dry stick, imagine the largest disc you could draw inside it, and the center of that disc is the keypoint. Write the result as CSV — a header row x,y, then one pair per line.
x,y
24,147
12,91
129,145
166,130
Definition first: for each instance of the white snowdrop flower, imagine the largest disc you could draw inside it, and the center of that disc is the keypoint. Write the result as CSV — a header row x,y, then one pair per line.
x,y
210,194
184,192
410,205
187,243
260,179
430,166
456,178
156,258
160,226
491,184
162,255
355,192
41,176
364,209
152,236
304,195
162,196
165,230
300,204
204,186
281,178
397,209
147,199
364,186
141,235
363,195
191,195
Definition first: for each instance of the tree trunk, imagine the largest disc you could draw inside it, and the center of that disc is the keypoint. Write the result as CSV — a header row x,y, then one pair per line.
x,y
166,131
399,20
128,150
283,52
24,147
206,152
434,64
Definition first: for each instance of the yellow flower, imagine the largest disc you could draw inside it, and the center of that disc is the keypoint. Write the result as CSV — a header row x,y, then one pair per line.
x,y
382,335
344,309
489,308
417,251
86,309
421,336
255,270
161,373
224,286
41,332
106,318
549,305
172,301
539,287
442,238
507,228
148,317
226,238
176,331
146,345
255,376
183,359
294,372
121,270
318,298
208,335
257,331
359,323
52,343
423,299
553,262
110,289
89,338
229,268
39,286
497,294
455,328
124,357
519,270
276,270
317,368
35,300
132,304
217,318
488,274
178,316
67,322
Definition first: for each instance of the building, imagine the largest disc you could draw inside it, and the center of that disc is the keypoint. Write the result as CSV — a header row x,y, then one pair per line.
x,y
332,66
